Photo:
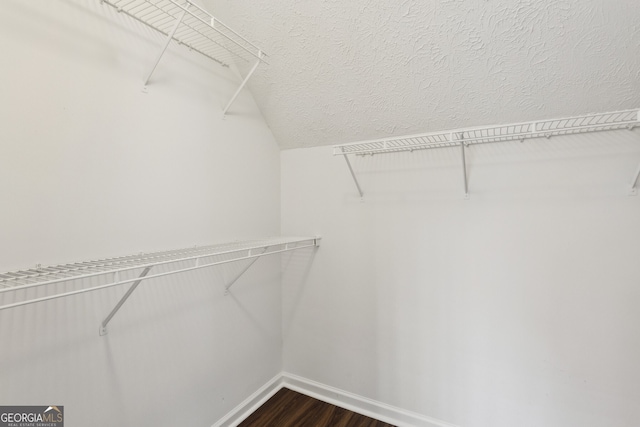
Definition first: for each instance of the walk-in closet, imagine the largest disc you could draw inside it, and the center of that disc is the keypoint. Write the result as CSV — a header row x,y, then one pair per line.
x,y
222,213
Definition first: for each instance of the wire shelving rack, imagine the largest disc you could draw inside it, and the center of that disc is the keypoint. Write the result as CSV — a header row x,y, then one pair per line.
x,y
190,25
118,271
462,138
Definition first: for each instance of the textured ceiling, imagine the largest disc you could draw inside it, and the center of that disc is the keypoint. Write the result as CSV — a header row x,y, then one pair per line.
x,y
342,71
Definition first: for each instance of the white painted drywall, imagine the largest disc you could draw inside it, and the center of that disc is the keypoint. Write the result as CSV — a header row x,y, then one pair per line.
x,y
517,307
92,167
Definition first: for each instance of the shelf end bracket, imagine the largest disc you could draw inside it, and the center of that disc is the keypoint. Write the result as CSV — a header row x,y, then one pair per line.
x,y
353,174
166,44
633,191
244,270
244,82
464,170
105,322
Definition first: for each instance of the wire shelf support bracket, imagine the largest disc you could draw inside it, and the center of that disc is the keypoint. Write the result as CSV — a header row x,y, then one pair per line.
x,y
166,45
634,183
190,25
105,322
464,170
465,138
244,270
633,191
244,82
112,269
353,175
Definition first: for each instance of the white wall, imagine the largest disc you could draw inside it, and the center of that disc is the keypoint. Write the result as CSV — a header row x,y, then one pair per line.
x,y
92,167
517,307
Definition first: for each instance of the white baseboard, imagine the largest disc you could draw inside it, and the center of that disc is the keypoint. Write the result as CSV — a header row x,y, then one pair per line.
x,y
251,403
344,399
359,404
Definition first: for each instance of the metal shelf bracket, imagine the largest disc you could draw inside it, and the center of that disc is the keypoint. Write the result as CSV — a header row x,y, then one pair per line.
x,y
633,191
167,42
244,82
244,270
105,322
464,169
353,175
250,254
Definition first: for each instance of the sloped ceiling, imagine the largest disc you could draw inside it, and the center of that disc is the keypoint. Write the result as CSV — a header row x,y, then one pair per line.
x,y
343,71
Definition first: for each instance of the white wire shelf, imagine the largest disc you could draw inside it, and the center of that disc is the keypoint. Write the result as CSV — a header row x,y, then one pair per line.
x,y
500,133
191,26
114,270
617,120
199,30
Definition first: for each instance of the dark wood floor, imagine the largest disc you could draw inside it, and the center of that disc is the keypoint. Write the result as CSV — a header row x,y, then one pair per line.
x,y
288,408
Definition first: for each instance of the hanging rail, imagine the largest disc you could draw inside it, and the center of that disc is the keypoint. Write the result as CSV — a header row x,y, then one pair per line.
x,y
176,261
627,119
190,25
